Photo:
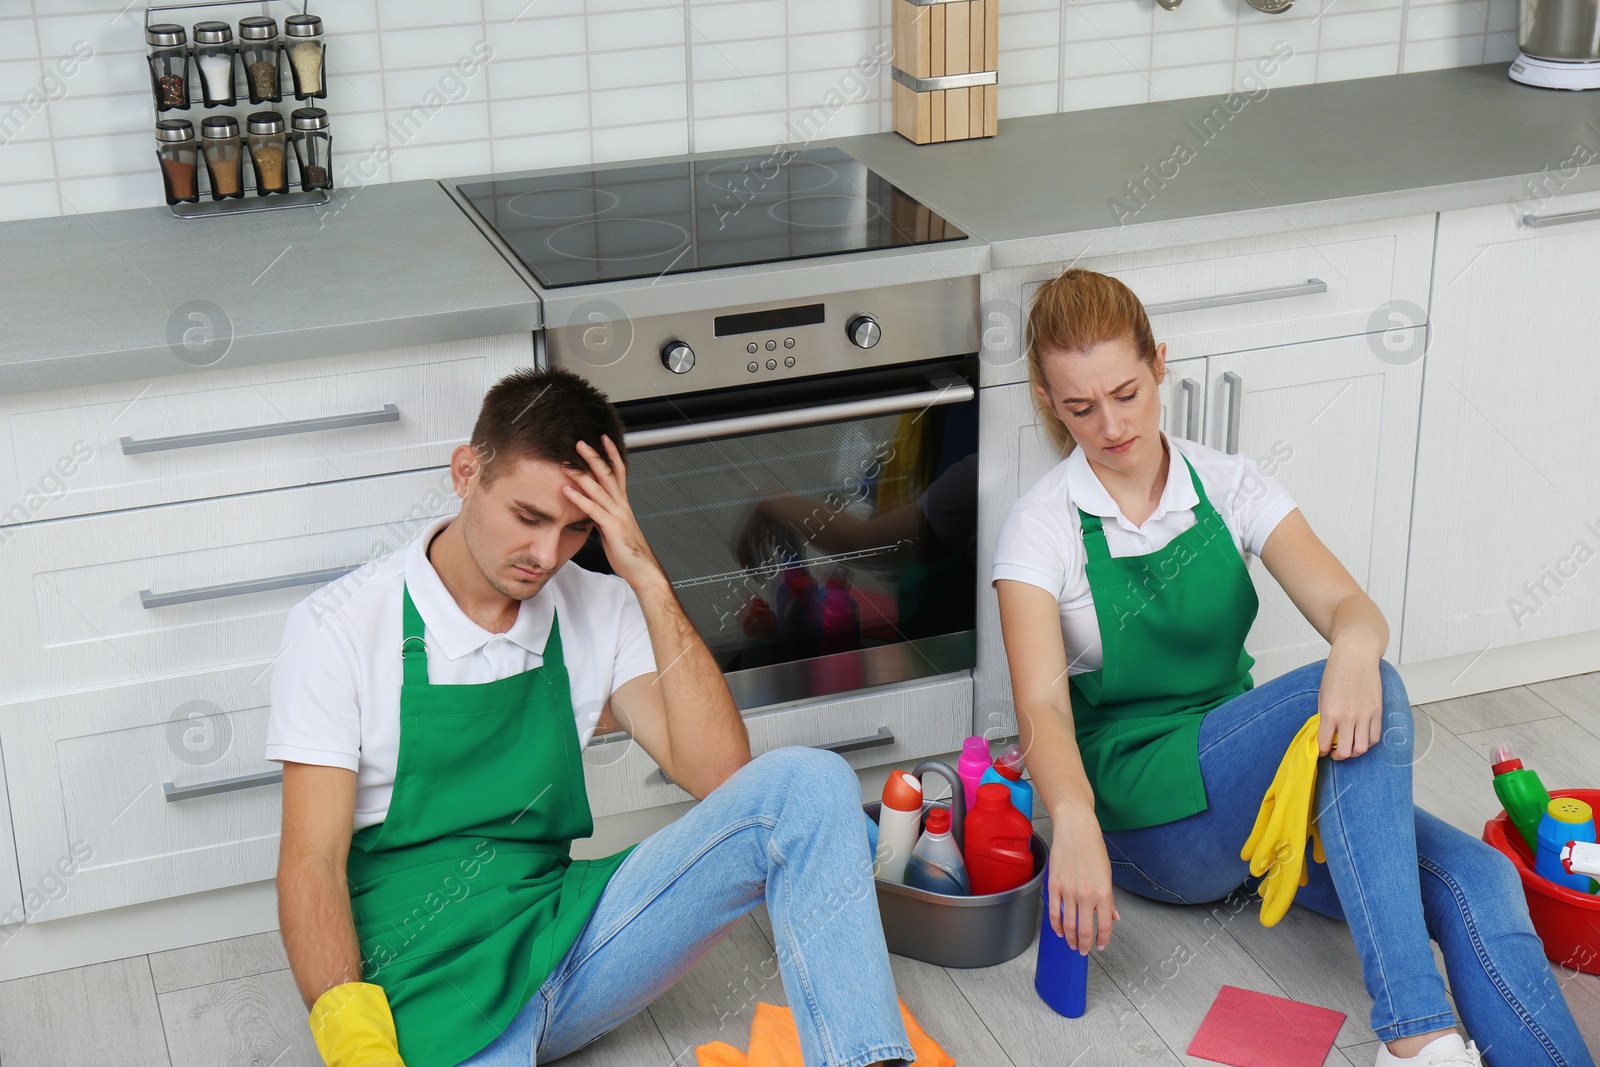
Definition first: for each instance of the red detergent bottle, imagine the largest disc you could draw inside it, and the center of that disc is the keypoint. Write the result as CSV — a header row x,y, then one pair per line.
x,y
997,847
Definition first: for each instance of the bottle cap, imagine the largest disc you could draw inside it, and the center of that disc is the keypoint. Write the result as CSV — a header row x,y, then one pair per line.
x,y
1505,759
1012,757
174,130
903,791
263,123
212,33
993,795
977,748
308,118
1569,810
938,820
258,28
219,126
166,35
302,26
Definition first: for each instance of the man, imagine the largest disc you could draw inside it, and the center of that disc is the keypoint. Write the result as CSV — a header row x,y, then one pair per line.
x,y
430,710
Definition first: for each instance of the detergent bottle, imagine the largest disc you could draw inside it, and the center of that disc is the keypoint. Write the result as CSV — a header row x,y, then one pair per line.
x,y
997,849
1061,976
975,759
1521,793
936,865
839,616
1007,770
899,820
1565,819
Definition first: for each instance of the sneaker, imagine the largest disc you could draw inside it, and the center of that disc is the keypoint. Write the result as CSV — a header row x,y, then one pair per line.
x,y
1446,1051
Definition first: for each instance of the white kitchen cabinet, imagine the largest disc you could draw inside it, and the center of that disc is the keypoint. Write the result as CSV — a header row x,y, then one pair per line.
x,y
1183,399
229,430
10,888
1334,422
98,784
1505,535
116,597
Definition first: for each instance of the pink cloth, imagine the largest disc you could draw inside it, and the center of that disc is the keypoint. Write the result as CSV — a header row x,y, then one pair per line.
x,y
1249,1029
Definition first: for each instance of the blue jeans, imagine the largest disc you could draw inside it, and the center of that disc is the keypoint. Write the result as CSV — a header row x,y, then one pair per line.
x,y
1459,891
787,828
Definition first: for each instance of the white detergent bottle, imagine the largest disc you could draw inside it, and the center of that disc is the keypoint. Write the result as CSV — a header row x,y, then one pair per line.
x,y
899,821
936,864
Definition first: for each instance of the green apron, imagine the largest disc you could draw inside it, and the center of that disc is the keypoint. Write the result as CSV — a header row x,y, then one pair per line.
x,y
1172,626
465,897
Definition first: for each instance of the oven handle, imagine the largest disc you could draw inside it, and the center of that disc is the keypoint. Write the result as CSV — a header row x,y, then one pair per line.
x,y
945,387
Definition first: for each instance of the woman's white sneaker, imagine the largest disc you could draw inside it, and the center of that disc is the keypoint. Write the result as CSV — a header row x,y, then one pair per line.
x,y
1446,1051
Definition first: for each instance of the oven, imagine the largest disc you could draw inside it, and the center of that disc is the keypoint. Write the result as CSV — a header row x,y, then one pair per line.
x,y
814,503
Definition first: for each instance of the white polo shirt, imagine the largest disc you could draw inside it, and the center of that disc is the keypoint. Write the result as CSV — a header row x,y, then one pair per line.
x,y
1041,539
336,682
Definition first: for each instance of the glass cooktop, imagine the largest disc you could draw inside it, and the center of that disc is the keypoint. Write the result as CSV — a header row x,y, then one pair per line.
x,y
645,221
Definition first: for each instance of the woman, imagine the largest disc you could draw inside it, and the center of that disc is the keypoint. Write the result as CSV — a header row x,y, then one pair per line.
x,y
1124,604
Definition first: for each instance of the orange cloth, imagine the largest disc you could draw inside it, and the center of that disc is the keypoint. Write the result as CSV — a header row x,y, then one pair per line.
x,y
775,1042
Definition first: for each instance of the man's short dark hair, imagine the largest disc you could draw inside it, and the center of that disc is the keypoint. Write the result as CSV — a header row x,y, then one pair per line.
x,y
543,414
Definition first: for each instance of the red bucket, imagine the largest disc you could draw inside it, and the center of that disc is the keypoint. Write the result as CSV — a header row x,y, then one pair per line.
x,y
1567,921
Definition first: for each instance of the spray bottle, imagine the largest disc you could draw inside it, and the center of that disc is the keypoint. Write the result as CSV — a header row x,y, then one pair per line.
x,y
1521,793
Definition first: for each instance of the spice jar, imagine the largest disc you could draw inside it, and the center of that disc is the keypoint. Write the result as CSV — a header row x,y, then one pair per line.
x,y
306,55
176,151
219,135
313,147
268,152
169,65
213,54
259,49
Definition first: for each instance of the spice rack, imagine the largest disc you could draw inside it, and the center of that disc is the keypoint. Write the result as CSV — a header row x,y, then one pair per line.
x,y
194,97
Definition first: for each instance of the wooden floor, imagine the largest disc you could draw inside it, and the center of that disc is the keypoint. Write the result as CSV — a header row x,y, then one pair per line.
x,y
234,1003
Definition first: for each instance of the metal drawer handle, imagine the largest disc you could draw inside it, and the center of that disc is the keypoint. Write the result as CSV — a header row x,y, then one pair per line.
x,y
1235,402
1311,287
946,389
387,413
1561,220
944,81
148,600
1191,403
884,736
222,785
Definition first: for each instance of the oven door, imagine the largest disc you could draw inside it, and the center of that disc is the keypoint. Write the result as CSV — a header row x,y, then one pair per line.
x,y
821,535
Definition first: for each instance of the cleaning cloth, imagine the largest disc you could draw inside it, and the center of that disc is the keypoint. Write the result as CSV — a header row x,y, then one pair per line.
x,y
1249,1029
775,1042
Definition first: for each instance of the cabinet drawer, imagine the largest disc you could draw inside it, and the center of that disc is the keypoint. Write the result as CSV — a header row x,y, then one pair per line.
x,y
192,436
1261,291
90,774
113,598
892,724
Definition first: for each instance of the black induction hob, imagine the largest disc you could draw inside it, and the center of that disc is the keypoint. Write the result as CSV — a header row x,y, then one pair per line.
x,y
584,226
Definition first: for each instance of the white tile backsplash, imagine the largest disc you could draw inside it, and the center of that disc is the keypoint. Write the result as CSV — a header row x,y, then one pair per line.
x,y
571,82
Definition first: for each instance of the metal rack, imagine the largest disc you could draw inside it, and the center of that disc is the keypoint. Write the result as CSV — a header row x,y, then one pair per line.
x,y
242,206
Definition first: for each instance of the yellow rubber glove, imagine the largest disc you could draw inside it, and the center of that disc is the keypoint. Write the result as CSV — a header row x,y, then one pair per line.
x,y
1277,844
353,1027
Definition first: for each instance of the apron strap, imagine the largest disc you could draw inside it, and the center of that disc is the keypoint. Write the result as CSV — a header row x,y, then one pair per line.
x,y
1094,535
413,650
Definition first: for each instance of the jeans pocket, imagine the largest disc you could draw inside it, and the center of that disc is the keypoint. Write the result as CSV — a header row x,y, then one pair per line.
x,y
1128,876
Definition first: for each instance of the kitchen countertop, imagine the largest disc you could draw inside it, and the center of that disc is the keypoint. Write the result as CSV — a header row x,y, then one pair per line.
x,y
95,297
1044,189
86,298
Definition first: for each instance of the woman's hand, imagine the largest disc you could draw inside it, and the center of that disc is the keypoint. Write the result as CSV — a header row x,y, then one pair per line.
x,y
1350,702
1080,882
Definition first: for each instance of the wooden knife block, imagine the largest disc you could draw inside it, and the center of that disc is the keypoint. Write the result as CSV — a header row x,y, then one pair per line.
x,y
938,43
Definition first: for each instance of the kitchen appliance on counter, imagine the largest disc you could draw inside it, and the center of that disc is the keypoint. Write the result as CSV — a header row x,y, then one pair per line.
x,y
1560,44
791,342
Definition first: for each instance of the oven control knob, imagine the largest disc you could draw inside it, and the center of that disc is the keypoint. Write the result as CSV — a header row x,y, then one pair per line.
x,y
677,357
864,331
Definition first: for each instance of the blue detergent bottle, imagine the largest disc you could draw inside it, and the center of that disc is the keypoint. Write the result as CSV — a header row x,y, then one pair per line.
x,y
1007,770
1061,976
936,864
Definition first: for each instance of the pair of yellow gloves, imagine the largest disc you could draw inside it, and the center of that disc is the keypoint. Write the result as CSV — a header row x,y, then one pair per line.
x,y
353,1027
1277,844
